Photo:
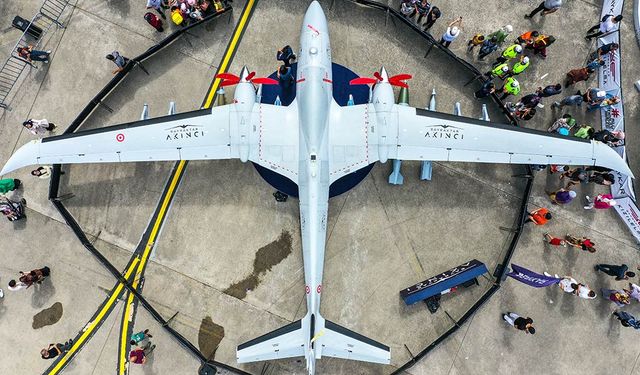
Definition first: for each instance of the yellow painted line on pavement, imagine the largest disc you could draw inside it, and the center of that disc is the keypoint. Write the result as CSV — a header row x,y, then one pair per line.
x,y
145,257
244,18
94,323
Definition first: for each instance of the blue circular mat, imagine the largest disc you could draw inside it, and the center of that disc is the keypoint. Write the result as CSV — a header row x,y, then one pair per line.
x,y
341,91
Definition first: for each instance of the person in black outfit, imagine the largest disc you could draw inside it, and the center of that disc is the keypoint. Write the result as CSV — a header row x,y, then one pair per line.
x,y
487,89
519,323
432,17
620,272
286,55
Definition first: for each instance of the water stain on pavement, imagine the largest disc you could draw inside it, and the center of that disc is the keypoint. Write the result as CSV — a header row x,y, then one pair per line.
x,y
266,257
209,337
48,316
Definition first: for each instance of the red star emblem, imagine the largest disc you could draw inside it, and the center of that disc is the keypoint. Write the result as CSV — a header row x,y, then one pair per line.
x,y
615,112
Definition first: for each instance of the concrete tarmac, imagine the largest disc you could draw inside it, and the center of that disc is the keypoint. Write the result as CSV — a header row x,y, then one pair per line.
x,y
229,260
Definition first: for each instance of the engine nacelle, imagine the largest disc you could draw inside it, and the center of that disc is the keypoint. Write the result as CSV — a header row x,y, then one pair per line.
x,y
383,102
244,100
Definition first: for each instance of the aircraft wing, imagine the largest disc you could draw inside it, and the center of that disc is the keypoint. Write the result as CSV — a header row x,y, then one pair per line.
x,y
417,134
268,135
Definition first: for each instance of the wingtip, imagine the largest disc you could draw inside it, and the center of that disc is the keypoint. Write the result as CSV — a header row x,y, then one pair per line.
x,y
24,156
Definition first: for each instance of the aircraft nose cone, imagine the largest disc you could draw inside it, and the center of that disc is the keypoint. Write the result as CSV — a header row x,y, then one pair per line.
x,y
244,73
384,75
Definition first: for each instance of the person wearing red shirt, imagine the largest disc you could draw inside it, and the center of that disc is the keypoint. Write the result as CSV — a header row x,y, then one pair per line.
x,y
554,241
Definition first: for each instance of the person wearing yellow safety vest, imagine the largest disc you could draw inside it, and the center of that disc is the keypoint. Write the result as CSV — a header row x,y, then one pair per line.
x,y
510,53
511,87
501,71
520,66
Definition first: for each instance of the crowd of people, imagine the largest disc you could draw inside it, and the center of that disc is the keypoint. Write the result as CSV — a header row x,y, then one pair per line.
x,y
182,12
505,79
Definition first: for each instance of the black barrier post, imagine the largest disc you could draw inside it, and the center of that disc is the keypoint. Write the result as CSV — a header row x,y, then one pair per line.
x,y
139,65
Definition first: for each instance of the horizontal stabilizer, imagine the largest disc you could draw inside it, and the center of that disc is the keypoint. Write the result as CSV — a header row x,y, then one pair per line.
x,y
284,342
339,342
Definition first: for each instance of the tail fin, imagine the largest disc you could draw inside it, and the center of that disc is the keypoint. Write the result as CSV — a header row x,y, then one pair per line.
x,y
312,338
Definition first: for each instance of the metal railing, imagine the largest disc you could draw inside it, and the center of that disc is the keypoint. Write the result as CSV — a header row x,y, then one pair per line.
x,y
48,15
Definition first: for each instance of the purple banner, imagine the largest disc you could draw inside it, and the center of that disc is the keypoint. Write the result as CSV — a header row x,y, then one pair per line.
x,y
531,278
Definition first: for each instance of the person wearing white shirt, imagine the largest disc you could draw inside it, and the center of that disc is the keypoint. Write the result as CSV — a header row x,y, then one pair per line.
x,y
585,292
453,30
606,25
38,127
568,284
15,286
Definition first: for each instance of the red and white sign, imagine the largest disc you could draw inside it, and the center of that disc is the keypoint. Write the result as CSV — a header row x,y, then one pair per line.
x,y
120,137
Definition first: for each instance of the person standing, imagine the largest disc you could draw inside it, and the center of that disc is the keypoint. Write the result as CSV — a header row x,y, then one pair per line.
x,y
285,76
477,40
570,100
139,337
546,7
519,323
422,8
568,285
55,350
501,34
511,87
633,291
539,217
117,59
528,38
160,6
43,172
154,21
521,65
39,127
562,196
501,71
619,297
432,17
606,25
452,32
509,53
30,54
621,272
549,90
554,241
487,89
488,46
16,286
601,202
578,75
139,355
626,319
541,44
285,54
585,292
9,184
407,8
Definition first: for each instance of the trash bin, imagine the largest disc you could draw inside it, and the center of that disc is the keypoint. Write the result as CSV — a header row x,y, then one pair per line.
x,y
22,24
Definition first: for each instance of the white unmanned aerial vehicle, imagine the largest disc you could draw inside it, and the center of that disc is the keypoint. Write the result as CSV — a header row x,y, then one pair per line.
x,y
314,142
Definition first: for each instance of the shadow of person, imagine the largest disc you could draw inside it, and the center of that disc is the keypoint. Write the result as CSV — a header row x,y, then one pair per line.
x,y
147,367
42,293
614,326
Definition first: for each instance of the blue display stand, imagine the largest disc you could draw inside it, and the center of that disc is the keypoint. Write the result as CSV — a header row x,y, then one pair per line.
x,y
341,91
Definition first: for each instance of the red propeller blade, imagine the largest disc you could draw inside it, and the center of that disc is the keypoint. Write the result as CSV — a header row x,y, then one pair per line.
x,y
400,77
226,83
363,81
399,83
228,77
378,76
251,75
264,81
